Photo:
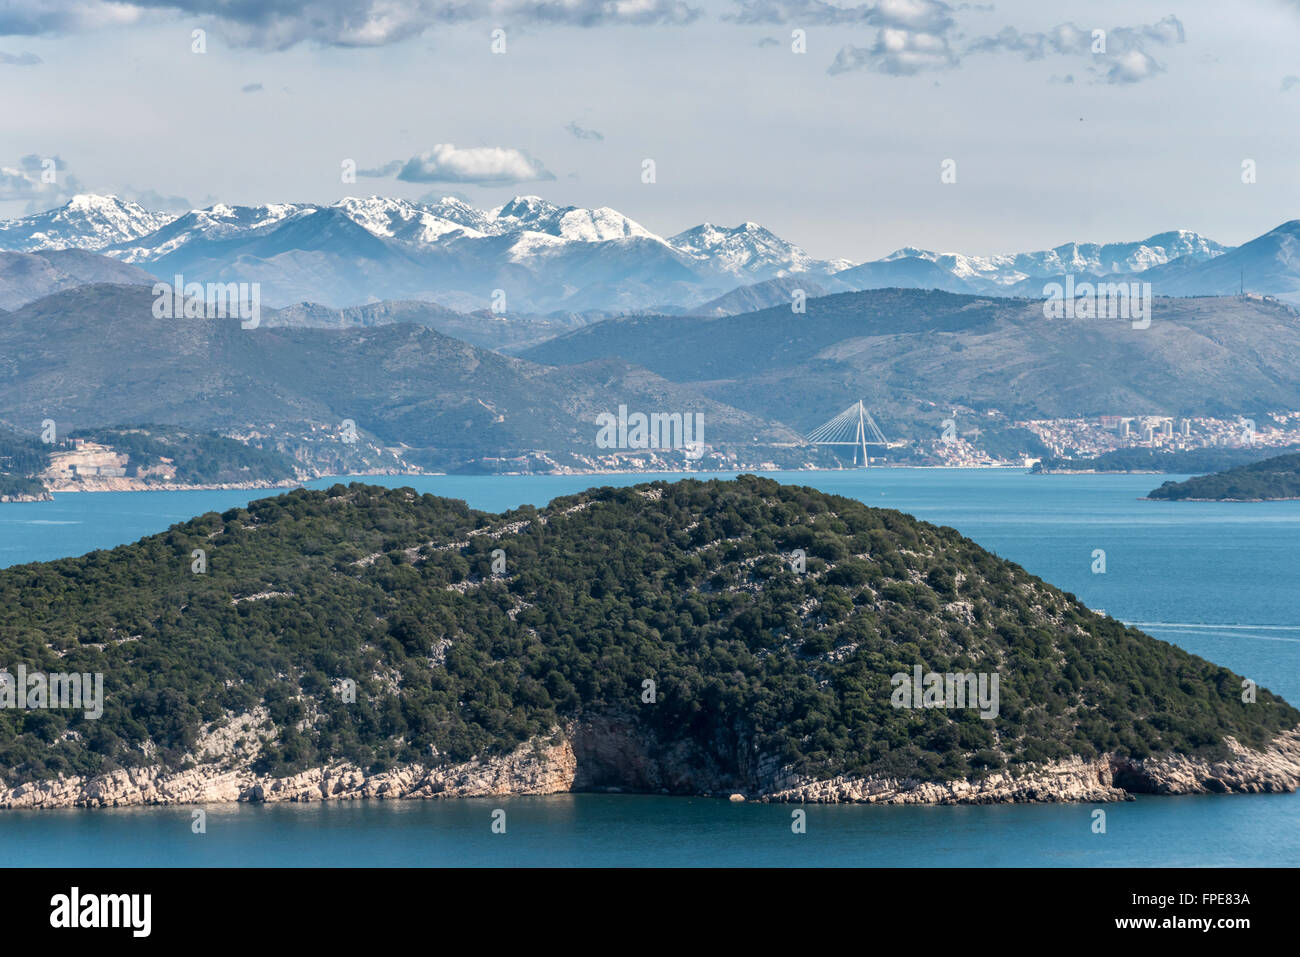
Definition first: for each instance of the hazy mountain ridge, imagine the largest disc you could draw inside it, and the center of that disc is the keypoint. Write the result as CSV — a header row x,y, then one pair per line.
x,y
914,354
97,357
26,277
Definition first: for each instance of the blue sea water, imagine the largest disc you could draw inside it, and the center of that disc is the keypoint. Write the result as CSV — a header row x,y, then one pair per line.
x,y
1219,579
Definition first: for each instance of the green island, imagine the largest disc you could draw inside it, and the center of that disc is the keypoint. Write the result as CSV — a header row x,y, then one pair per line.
x,y
1179,461
762,673
1272,479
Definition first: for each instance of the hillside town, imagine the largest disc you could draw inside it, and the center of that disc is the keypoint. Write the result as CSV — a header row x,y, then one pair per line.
x,y
1083,437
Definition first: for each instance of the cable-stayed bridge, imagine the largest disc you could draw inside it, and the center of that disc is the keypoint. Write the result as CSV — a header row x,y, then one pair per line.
x,y
854,426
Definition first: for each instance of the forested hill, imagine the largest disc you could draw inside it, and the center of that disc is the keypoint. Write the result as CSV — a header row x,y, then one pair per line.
x,y
690,585
1275,478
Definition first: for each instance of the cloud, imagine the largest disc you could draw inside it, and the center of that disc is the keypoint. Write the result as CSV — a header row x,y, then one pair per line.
x,y
768,42
912,35
15,184
39,17
921,35
1290,82
925,16
34,163
1063,39
796,11
251,88
1119,54
481,165
897,52
26,182
159,202
279,24
583,134
597,13
379,172
22,59
1133,66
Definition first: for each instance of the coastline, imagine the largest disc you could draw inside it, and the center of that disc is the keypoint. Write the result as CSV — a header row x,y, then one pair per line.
x,y
1238,501
138,485
542,767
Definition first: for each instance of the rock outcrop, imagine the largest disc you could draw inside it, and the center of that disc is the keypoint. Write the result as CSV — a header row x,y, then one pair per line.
x,y
609,754
535,768
1109,778
1275,769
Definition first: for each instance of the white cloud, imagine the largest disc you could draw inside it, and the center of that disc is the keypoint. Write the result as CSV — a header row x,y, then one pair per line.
x,y
1132,66
897,52
279,24
1122,59
920,35
22,184
482,165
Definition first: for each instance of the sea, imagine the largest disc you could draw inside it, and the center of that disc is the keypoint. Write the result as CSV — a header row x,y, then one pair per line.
x,y
1221,580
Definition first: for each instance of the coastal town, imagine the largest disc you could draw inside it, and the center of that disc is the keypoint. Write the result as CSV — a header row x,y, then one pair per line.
x,y
1085,437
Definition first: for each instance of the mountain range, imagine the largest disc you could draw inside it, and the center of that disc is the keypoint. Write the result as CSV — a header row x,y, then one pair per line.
x,y
532,256
915,354
96,357
430,388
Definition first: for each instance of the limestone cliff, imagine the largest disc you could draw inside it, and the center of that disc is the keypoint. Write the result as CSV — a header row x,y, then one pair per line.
x,y
609,754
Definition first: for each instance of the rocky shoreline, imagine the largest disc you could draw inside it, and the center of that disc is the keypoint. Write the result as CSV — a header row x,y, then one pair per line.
x,y
28,497
555,768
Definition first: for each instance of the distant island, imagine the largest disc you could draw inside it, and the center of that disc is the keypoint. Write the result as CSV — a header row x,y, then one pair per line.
x,y
1177,461
1272,479
696,638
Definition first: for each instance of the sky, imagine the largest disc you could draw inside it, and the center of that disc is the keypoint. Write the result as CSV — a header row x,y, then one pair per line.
x,y
842,148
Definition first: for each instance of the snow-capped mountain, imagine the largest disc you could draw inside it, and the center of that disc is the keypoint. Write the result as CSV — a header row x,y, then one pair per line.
x,y
748,250
1078,258
547,257
84,222
572,223
415,222
1268,264
219,222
